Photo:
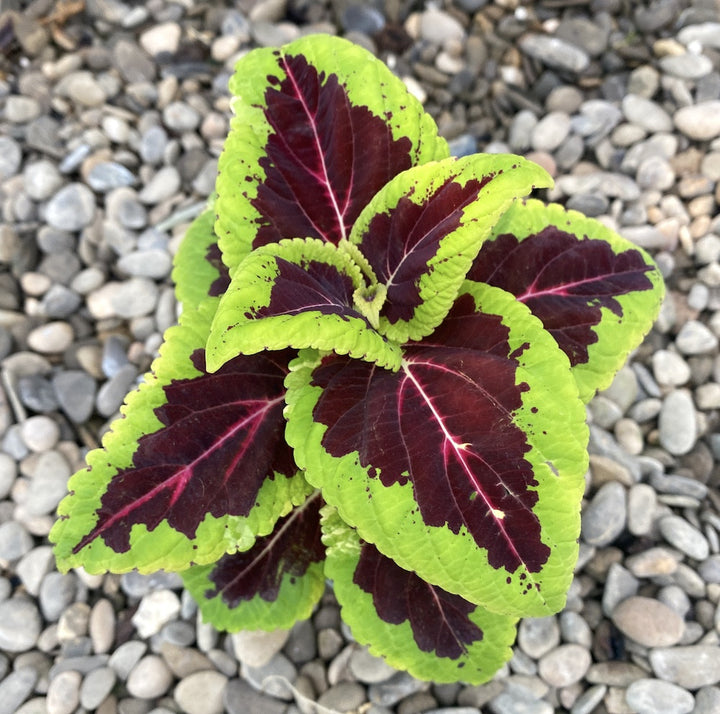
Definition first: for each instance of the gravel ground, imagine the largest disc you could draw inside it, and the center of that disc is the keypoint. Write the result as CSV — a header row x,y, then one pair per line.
x,y
112,116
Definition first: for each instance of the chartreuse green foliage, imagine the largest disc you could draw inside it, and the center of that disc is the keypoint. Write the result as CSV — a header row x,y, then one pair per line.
x,y
378,378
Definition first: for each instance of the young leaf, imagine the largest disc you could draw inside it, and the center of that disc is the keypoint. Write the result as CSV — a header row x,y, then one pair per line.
x,y
423,229
197,467
465,466
298,293
321,126
595,292
273,584
414,625
199,272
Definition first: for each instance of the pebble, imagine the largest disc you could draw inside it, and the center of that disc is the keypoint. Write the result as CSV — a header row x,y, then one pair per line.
x,y
516,699
648,622
63,693
10,157
201,693
700,122
15,541
156,608
71,208
555,53
605,515
20,624
75,391
677,423
538,635
163,185
40,433
440,27
695,338
255,648
272,677
163,38
685,537
689,667
96,687
645,113
15,688
651,696
41,179
150,678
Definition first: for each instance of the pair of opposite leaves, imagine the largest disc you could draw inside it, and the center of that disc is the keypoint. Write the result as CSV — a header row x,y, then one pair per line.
x,y
444,425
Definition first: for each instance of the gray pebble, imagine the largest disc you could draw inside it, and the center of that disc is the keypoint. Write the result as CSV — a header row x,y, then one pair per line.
x,y
707,700
41,179
126,656
677,423
48,483
33,567
538,635
439,27
240,698
695,338
111,394
516,699
106,176
650,696
587,702
344,697
648,622
686,66
554,52
705,33
646,113
152,145
154,263
163,185
689,667
71,208
699,121
269,678
685,537
620,584
63,695
134,298
564,665
15,541
20,624
96,687
369,668
51,338
605,515
132,62
149,678
40,433
550,131
10,157
180,117
57,591
155,610
201,693
60,302
16,688
75,391
669,368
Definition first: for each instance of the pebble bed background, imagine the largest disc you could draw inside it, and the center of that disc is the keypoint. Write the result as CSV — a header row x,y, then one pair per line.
x,y
112,116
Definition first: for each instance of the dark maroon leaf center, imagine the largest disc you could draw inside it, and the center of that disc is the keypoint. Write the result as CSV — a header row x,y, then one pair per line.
x,y
288,551
563,280
439,620
444,422
399,244
223,435
325,159
222,282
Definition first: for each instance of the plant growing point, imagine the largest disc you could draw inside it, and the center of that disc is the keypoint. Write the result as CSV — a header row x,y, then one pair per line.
x,y
379,378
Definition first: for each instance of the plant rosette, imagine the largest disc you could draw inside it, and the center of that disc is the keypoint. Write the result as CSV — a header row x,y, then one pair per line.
x,y
379,378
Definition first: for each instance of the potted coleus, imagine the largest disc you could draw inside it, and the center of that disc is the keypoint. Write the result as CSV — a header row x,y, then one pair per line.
x,y
379,379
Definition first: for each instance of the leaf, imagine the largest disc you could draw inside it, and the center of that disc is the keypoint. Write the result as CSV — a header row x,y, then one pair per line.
x,y
321,125
298,293
465,466
422,231
595,292
199,272
415,626
197,467
272,585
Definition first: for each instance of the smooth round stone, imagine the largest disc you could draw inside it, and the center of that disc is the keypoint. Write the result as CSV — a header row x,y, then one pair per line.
x,y
96,687
41,179
670,369
255,648
648,622
101,626
180,117
134,298
16,687
51,338
164,37
60,302
686,66
20,624
706,34
574,629
15,541
646,114
555,52
550,131
368,668
106,176
565,665
362,18
605,515
83,88
150,678
201,693
538,635
57,591
156,609
271,678
163,185
154,263
655,173
343,696
699,121
152,145
33,567
10,157
690,667
515,700
183,661
439,27
677,423
707,700
72,208
653,696
40,433
20,110
126,656
685,537
652,562
75,392
63,694
48,483
695,338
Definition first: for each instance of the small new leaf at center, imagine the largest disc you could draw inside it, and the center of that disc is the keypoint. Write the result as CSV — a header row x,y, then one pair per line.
x,y
369,301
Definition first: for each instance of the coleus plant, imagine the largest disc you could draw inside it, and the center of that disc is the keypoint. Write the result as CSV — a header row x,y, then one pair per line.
x,y
378,378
